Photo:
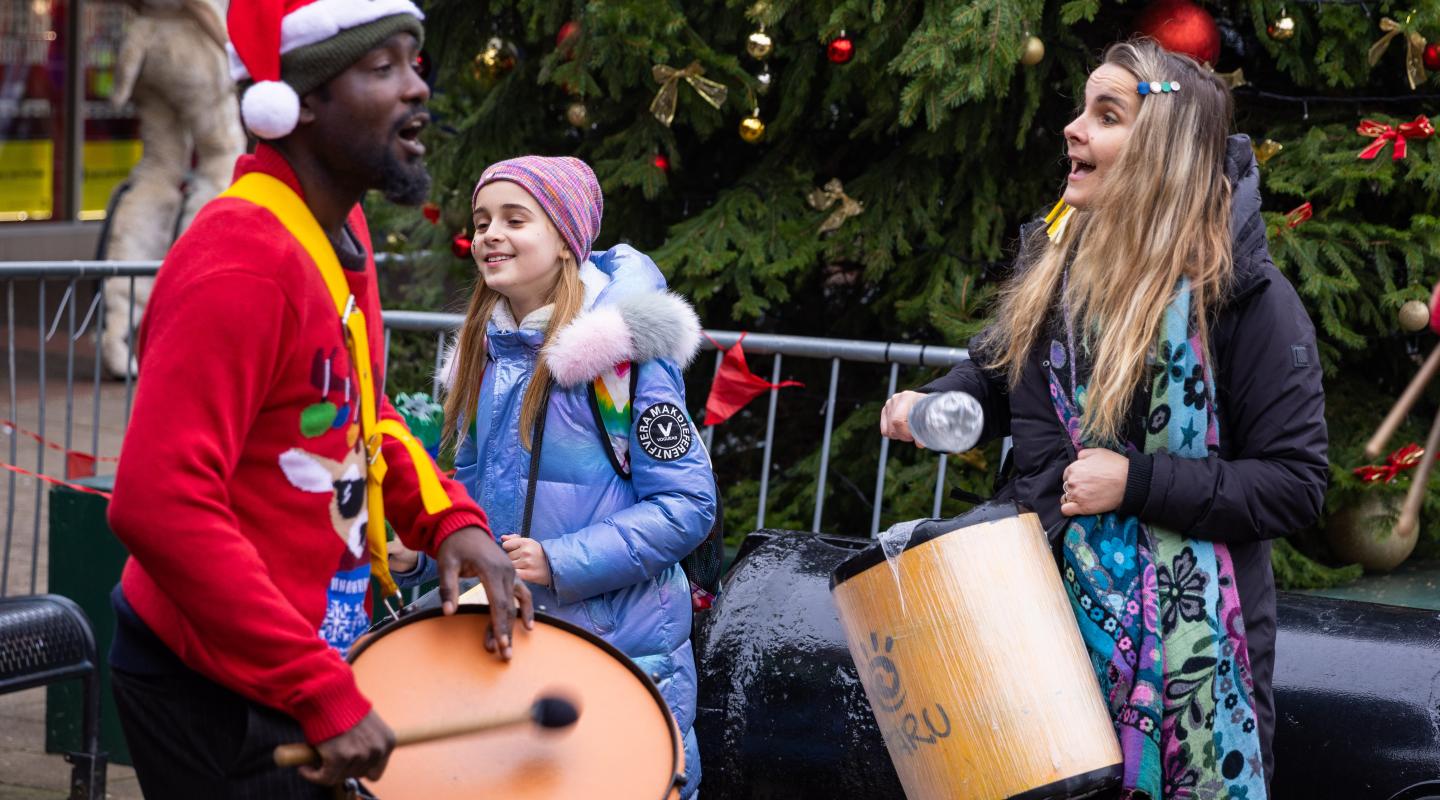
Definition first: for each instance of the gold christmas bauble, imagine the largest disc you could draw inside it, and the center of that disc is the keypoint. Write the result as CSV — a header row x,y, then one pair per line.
x,y
495,61
752,128
759,45
1282,29
577,114
1034,51
1414,316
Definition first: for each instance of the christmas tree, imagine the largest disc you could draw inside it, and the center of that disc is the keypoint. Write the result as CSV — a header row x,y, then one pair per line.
x,y
861,169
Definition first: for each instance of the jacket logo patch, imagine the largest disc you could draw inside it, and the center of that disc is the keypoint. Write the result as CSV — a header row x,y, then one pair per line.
x,y
664,432
1301,355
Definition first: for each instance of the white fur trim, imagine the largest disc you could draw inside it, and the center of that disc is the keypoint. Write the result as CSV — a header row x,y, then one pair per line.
x,y
323,19
595,341
271,109
594,282
638,328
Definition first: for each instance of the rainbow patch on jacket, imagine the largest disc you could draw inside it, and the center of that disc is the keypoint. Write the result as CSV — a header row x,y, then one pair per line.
x,y
612,404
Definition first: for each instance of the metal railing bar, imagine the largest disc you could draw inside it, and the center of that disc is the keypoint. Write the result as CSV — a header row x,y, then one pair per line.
x,y
820,482
755,343
14,437
129,350
99,356
847,349
769,441
39,451
939,488
884,454
708,434
39,270
69,377
439,363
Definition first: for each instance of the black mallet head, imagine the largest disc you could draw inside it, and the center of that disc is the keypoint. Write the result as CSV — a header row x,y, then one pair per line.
x,y
554,712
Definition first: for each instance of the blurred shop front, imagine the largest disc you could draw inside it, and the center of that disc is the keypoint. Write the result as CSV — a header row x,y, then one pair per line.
x,y
64,148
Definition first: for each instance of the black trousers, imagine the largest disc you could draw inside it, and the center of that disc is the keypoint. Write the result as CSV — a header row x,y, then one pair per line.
x,y
191,738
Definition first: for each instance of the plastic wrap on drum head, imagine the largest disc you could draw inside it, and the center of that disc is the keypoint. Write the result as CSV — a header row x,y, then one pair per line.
x,y
974,668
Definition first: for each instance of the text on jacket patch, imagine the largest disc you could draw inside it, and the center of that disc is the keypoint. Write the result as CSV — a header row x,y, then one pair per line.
x,y
664,432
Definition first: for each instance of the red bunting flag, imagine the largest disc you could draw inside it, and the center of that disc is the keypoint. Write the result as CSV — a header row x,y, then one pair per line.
x,y
735,385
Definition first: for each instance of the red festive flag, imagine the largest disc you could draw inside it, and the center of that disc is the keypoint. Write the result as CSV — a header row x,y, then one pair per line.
x,y
78,464
735,385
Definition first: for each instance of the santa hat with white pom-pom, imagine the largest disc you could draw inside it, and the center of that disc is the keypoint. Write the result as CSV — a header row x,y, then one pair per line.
x,y
287,48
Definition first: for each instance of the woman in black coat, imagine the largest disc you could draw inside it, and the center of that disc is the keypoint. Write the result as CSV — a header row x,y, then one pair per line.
x,y
1099,448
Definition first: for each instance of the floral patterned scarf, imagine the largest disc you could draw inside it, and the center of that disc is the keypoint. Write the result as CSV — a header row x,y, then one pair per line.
x,y
1158,611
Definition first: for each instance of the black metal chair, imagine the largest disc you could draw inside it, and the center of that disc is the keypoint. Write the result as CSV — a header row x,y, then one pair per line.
x,y
47,638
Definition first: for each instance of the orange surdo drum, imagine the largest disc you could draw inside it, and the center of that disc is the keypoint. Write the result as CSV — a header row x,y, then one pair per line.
x,y
429,670
973,664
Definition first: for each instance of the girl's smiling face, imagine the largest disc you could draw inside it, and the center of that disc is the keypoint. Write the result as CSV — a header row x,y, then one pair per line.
x,y
1095,139
517,248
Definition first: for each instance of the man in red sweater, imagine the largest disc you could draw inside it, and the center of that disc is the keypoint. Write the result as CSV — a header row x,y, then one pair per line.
x,y
261,447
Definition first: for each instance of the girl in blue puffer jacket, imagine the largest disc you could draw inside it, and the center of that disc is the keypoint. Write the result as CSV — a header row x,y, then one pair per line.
x,y
547,318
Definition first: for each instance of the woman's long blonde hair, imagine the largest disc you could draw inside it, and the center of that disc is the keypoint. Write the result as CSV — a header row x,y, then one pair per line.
x,y
567,296
1163,212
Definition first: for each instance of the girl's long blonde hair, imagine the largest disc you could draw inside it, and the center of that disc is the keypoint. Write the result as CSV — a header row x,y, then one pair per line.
x,y
567,296
1163,212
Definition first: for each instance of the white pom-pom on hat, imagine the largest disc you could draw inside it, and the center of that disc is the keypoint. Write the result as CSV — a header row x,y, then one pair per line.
x,y
271,109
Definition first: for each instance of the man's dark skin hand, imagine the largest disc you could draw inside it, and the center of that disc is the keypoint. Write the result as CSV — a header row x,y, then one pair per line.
x,y
360,752
472,553
357,133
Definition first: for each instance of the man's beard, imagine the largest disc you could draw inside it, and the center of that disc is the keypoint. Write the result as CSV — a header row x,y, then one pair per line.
x,y
401,183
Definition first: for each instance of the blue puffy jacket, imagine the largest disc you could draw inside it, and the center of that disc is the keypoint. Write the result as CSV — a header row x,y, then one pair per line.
x,y
614,544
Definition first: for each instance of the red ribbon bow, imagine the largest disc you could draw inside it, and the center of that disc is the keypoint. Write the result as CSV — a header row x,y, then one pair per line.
x,y
1395,463
1418,128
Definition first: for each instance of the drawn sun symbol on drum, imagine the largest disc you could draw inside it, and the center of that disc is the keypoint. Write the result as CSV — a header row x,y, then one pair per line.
x,y
884,677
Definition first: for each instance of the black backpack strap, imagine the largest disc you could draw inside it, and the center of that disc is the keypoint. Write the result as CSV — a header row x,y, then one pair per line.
x,y
535,442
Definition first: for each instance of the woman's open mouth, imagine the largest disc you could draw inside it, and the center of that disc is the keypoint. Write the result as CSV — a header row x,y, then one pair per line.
x,y
1079,169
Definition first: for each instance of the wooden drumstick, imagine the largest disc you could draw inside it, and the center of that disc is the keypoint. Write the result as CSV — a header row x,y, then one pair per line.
x,y
547,712
1402,406
1410,514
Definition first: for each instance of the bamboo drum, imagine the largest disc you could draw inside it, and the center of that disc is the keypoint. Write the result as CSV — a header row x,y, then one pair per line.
x,y
973,664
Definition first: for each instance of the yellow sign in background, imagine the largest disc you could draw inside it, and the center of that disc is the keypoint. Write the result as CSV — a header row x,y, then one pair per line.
x,y
27,176
27,183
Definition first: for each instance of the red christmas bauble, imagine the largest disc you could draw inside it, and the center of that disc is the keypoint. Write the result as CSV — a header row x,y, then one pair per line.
x,y
661,162
840,50
1432,57
566,31
1181,26
431,212
460,245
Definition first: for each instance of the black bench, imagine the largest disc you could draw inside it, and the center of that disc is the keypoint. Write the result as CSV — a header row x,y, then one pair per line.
x,y
47,638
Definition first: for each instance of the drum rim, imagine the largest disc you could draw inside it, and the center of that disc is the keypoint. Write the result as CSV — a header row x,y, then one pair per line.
x,y
873,555
676,743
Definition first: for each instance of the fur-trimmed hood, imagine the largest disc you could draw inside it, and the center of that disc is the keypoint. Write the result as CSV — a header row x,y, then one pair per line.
x,y
629,316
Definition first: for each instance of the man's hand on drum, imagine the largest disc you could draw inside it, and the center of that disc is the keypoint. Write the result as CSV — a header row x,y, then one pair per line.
x,y
360,752
472,553
895,417
1094,483
529,558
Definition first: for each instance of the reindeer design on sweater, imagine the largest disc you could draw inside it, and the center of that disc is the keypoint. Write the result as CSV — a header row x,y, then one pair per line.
x,y
343,480
345,614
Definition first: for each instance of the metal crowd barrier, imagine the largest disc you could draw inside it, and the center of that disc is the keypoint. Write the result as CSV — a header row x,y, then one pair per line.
x,y
109,405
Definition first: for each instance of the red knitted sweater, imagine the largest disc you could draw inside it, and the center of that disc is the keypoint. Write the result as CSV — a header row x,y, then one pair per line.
x,y
240,491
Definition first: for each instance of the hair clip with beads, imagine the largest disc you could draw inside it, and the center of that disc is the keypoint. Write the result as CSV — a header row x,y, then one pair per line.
x,y
1157,87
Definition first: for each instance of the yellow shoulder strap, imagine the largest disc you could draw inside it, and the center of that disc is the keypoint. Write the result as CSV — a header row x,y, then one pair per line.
x,y
273,195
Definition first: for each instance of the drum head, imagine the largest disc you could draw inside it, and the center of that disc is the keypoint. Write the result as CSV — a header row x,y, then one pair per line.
x,y
430,668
